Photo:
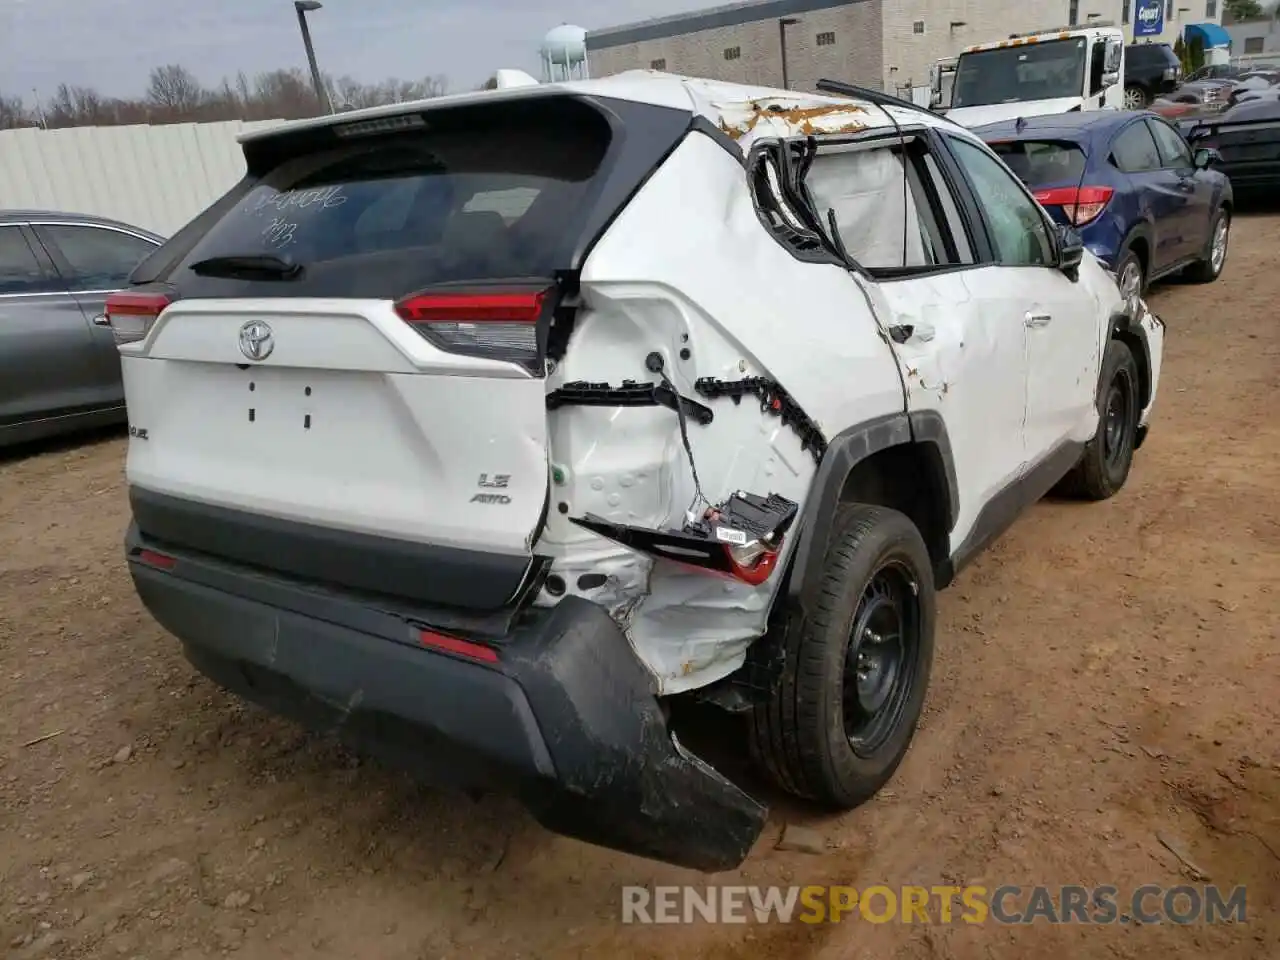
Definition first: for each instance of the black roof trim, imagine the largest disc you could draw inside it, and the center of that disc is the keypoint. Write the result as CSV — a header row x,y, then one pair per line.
x,y
731,15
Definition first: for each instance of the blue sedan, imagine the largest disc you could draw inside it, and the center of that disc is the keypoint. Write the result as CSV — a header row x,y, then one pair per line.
x,y
1145,203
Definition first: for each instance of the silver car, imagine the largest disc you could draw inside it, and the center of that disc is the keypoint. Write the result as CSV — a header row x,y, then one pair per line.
x,y
59,369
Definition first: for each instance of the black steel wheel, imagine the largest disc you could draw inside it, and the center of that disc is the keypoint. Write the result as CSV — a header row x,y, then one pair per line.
x,y
1104,465
881,659
856,667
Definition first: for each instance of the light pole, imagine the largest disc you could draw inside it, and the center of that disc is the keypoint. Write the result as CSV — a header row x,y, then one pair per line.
x,y
303,7
783,23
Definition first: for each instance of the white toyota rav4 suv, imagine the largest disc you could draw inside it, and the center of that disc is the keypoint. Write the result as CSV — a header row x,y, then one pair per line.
x,y
481,430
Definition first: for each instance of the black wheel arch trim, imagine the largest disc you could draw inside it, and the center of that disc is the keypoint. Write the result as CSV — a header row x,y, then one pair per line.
x,y
1133,334
1141,231
844,452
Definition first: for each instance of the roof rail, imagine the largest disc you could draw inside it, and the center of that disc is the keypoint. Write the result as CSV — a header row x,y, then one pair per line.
x,y
1071,27
878,97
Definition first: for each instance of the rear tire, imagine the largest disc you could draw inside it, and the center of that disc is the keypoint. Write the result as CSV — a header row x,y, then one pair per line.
x,y
1209,269
837,735
1104,466
1135,98
1130,276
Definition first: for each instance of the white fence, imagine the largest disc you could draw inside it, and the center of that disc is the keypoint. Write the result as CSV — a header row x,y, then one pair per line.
x,y
157,177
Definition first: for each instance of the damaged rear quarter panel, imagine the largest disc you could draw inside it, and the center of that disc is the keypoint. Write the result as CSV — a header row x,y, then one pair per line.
x,y
688,258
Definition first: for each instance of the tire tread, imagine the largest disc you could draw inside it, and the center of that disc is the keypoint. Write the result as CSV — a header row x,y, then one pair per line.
x,y
798,763
1088,479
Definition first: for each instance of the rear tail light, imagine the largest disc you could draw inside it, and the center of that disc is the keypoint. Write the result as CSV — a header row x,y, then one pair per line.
x,y
131,315
493,325
753,563
1080,204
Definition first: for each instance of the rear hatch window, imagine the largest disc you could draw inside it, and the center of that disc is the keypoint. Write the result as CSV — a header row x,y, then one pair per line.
x,y
459,196
1041,163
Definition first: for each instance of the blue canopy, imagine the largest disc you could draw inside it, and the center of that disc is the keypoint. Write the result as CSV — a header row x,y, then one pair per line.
x,y
1210,34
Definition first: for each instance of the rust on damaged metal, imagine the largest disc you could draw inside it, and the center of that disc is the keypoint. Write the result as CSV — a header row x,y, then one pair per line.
x,y
800,118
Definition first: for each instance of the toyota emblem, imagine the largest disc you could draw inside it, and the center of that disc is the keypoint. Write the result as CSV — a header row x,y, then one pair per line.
x,y
256,340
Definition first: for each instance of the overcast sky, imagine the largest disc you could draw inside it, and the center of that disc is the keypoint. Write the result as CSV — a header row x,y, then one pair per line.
x,y
113,44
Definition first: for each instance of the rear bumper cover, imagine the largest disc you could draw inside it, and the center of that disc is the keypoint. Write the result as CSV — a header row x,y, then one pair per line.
x,y
566,719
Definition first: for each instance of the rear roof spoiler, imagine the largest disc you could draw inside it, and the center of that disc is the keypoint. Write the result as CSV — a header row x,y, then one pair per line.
x,y
509,79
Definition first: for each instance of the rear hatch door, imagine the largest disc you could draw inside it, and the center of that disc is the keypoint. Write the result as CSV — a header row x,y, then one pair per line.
x,y
344,378
1247,141
1053,168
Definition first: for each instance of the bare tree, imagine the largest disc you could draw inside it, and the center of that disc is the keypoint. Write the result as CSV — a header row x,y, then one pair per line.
x,y
13,113
174,88
174,95
285,94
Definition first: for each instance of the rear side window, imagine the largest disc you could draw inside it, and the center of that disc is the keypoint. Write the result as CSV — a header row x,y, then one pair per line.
x,y
100,258
1173,149
19,269
1134,151
383,215
1040,162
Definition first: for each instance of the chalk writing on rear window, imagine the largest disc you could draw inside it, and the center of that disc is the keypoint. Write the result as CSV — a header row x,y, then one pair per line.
x,y
279,233
316,198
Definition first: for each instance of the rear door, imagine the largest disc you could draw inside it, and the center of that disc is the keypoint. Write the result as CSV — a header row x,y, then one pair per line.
x,y
351,370
1176,163
1159,198
1057,313
46,351
95,260
959,340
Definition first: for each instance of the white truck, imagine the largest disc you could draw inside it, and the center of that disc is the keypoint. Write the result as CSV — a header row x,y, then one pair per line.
x,y
1049,71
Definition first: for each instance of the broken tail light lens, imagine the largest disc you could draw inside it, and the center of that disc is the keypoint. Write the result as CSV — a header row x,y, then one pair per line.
x,y
493,325
753,563
132,315
740,538
1080,204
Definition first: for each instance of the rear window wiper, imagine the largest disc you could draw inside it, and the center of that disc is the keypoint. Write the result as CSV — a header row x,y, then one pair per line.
x,y
256,266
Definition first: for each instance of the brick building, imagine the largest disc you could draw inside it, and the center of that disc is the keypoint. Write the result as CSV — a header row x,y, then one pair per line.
x,y
887,44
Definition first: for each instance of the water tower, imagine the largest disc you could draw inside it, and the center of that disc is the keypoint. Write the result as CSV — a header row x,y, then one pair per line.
x,y
564,54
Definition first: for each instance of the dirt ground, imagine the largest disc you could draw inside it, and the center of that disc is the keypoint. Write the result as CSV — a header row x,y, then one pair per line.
x,y
1106,674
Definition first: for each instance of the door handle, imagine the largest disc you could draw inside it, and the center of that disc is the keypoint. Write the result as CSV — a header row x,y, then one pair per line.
x,y
1038,319
101,320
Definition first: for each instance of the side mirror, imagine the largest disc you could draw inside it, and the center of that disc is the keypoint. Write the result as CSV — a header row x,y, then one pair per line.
x,y
1110,79
1115,54
1206,157
1070,251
